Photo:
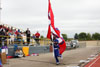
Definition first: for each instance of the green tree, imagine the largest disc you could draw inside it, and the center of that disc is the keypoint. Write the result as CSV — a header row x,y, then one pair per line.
x,y
76,36
65,37
88,36
82,36
96,36
42,36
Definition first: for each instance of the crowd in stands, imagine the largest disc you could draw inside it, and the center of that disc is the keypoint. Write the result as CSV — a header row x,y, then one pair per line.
x,y
12,34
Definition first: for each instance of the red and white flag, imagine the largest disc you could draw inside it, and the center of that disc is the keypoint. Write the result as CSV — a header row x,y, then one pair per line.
x,y
51,15
49,32
62,43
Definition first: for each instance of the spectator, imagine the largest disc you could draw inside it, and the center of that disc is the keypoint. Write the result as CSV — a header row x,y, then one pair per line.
x,y
7,29
15,48
2,34
19,53
33,36
37,35
16,32
28,34
19,30
19,37
12,38
24,38
33,39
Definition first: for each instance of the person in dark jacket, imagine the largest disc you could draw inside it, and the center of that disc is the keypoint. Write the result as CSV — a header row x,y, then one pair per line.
x,y
2,34
28,34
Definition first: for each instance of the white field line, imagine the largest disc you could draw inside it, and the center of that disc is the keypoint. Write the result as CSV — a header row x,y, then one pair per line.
x,y
94,62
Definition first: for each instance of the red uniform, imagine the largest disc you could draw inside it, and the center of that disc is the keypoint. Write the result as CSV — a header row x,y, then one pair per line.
x,y
37,35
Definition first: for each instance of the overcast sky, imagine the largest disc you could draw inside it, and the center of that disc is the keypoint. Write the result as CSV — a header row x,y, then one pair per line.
x,y
71,16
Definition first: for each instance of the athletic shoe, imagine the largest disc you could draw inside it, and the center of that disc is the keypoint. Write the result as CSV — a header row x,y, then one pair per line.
x,y
61,56
57,63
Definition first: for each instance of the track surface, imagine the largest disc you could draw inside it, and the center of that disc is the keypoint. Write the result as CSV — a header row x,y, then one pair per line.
x,y
94,63
70,58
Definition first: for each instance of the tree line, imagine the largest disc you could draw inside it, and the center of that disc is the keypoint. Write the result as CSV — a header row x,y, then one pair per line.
x,y
87,36
84,36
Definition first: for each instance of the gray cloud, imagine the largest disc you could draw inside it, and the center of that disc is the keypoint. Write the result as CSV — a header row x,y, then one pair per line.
x,y
71,16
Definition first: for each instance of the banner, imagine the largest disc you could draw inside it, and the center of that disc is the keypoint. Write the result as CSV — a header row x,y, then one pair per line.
x,y
62,43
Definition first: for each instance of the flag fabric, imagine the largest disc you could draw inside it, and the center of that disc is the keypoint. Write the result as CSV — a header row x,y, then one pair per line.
x,y
51,15
49,10
62,43
62,46
51,18
57,31
49,32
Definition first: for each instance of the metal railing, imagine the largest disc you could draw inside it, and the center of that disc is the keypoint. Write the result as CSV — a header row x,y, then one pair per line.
x,y
9,41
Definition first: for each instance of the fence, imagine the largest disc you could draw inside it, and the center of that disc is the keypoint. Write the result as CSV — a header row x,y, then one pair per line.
x,y
82,44
90,43
22,41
